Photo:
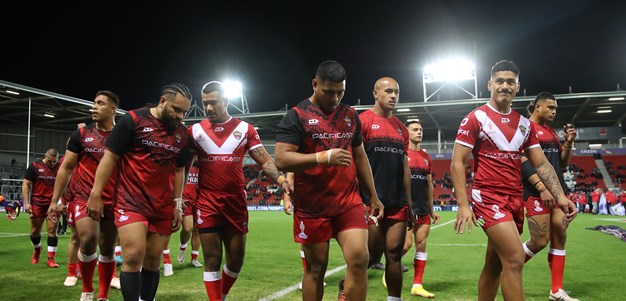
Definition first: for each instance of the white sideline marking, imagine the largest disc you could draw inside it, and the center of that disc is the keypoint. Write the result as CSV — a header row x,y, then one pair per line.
x,y
338,269
459,245
4,234
618,219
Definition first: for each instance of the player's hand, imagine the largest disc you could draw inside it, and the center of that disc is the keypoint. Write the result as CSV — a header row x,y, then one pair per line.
x,y
94,207
339,157
176,220
411,221
288,207
547,199
464,218
287,187
434,217
569,132
377,210
27,207
52,213
568,207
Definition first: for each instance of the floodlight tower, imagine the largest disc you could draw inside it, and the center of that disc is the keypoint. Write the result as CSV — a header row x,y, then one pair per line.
x,y
449,72
233,90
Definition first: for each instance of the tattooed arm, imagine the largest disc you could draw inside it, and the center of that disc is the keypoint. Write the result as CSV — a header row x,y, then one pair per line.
x,y
548,177
263,159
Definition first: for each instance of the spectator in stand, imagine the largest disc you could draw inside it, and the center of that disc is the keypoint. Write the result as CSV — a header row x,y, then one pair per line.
x,y
595,199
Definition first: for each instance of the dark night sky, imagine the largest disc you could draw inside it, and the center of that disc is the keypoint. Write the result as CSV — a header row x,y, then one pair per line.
x,y
274,48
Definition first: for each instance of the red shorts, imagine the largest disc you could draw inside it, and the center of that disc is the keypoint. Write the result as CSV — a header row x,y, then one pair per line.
x,y
422,219
397,214
190,209
70,213
215,212
322,229
39,211
493,208
123,218
79,211
534,206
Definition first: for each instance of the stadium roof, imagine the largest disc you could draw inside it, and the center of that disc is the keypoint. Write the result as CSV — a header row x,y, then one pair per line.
x,y
581,109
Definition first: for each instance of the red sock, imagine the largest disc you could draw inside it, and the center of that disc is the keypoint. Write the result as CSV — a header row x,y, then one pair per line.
x,y
114,271
228,279
71,269
183,248
106,270
213,286
556,258
194,255
166,257
87,268
418,270
51,255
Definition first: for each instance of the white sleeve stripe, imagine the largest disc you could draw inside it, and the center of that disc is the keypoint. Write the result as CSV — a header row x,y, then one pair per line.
x,y
256,146
533,146
464,143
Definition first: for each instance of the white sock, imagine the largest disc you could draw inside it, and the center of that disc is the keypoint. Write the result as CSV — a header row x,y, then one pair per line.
x,y
390,298
527,250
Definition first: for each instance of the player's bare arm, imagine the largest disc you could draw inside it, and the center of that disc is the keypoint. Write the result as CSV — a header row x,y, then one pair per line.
x,y
263,159
289,159
179,179
431,193
407,188
366,180
569,132
62,180
104,171
548,176
464,217
26,185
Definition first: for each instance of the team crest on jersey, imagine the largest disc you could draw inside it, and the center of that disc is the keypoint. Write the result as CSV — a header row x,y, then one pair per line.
x,y
538,206
348,121
497,214
199,221
523,129
237,135
302,234
178,138
88,139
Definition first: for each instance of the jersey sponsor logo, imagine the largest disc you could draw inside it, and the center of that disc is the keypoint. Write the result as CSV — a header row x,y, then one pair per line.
x,y
463,132
503,156
333,136
505,120
464,121
313,121
46,177
418,177
88,139
497,214
537,206
386,149
550,150
193,178
540,132
219,129
94,150
375,126
220,159
160,145
348,121
147,129
237,135
302,234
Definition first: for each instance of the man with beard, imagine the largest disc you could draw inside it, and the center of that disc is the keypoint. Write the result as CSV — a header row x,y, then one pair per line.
x,y
150,145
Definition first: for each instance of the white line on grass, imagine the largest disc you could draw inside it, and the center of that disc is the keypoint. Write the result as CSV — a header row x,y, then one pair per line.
x,y
338,269
3,234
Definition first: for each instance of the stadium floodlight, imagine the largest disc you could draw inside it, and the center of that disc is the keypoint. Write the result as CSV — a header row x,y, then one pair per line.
x,y
450,71
48,114
233,89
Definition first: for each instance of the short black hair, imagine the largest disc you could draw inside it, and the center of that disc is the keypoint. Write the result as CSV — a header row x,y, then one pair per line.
x,y
331,71
213,86
543,96
112,96
505,65
406,124
176,88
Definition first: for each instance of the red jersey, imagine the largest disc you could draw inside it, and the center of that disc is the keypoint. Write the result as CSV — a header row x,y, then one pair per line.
x,y
149,156
43,178
88,142
190,193
420,165
322,191
497,141
221,149
385,141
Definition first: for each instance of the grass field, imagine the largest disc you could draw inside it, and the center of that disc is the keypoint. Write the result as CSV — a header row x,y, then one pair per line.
x,y
595,267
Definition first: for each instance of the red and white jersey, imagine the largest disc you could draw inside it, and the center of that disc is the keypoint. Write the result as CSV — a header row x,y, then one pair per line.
x,y
497,141
221,149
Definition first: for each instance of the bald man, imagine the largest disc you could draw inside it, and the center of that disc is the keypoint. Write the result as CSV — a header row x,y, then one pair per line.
x,y
37,190
386,142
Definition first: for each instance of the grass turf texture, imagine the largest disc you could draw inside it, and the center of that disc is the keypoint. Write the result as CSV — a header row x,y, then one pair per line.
x,y
594,270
